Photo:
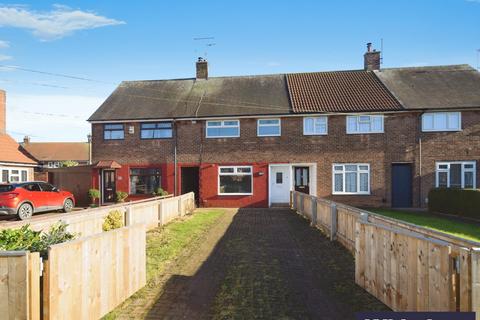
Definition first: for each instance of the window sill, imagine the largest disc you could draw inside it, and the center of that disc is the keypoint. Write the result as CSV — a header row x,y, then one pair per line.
x,y
351,194
235,194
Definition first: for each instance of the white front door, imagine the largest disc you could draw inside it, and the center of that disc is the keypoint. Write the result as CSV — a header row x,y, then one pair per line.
x,y
279,184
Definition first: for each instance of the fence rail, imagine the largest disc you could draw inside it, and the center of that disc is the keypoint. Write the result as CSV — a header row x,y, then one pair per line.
x,y
407,267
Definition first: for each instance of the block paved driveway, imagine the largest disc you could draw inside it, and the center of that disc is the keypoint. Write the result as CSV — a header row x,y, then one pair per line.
x,y
262,264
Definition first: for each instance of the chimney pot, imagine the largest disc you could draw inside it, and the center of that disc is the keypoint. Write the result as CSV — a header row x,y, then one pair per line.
x,y
371,59
26,140
202,68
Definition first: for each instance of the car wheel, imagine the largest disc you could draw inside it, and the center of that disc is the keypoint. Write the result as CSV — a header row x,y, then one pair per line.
x,y
25,211
68,205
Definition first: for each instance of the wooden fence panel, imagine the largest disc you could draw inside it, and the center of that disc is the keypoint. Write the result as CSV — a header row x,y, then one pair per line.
x,y
87,278
324,217
346,226
405,271
19,285
169,210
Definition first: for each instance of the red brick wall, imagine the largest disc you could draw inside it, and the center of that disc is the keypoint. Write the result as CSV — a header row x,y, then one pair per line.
x,y
399,143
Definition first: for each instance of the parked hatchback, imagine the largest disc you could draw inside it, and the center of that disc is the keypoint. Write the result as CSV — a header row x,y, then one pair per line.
x,y
25,199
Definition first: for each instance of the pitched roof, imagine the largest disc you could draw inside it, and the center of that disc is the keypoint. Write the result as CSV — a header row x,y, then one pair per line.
x,y
339,91
11,151
456,86
186,98
58,151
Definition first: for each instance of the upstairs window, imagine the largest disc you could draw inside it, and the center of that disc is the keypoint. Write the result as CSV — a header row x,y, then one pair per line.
x,y
159,130
351,178
457,174
223,129
441,121
364,124
144,180
113,132
235,181
268,127
315,126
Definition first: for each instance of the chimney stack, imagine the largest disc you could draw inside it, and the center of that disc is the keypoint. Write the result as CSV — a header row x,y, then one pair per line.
x,y
26,140
3,113
371,58
202,68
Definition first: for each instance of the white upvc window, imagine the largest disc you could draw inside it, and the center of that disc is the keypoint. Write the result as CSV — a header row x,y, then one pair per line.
x,y
359,124
269,127
235,180
456,174
315,126
441,121
13,175
351,178
223,129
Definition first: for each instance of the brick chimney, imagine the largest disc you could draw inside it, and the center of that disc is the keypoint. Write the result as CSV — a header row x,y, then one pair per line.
x,y
371,59
3,112
202,68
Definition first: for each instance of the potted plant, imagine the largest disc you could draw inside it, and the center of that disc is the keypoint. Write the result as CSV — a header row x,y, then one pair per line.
x,y
93,194
159,192
121,196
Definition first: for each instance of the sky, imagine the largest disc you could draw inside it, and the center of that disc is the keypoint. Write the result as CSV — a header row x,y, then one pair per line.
x,y
60,60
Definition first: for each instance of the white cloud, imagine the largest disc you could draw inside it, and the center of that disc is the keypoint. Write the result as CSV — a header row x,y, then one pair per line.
x,y
50,117
4,57
57,23
475,1
4,44
273,64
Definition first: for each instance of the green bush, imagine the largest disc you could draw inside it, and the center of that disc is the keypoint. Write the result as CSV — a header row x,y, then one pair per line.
x,y
34,241
113,220
461,202
121,196
159,192
93,194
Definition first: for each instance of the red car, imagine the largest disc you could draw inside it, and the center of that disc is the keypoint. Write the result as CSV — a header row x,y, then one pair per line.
x,y
25,199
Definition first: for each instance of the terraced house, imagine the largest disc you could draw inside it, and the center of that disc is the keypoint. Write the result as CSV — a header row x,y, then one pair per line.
x,y
371,137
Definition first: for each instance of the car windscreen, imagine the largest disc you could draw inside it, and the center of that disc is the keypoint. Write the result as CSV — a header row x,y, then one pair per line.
x,y
6,188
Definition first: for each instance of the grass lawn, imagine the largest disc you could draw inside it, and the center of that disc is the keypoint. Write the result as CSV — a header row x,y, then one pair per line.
x,y
465,230
165,245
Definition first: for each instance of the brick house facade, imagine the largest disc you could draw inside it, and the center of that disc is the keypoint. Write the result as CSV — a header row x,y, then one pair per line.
x,y
384,156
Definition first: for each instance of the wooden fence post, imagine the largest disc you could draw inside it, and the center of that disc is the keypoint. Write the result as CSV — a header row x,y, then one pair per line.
x,y
128,216
301,203
314,211
333,215
180,205
294,200
476,281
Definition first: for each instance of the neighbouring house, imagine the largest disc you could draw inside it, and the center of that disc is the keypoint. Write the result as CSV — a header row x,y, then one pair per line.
x,y
370,137
56,154
16,165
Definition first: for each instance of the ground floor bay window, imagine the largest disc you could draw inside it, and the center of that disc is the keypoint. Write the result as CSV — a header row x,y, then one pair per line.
x,y
351,178
144,180
235,180
456,174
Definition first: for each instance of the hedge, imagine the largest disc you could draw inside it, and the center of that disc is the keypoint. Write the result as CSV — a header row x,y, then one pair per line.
x,y
461,202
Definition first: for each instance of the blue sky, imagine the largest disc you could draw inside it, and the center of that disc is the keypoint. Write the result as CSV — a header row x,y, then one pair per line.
x,y
111,41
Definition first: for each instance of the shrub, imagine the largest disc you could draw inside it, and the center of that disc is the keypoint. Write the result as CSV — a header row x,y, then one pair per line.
x,y
461,202
121,196
93,194
160,192
113,220
34,241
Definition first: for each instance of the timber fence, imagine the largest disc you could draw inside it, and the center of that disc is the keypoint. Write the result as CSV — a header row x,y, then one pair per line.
x,y
407,267
88,277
